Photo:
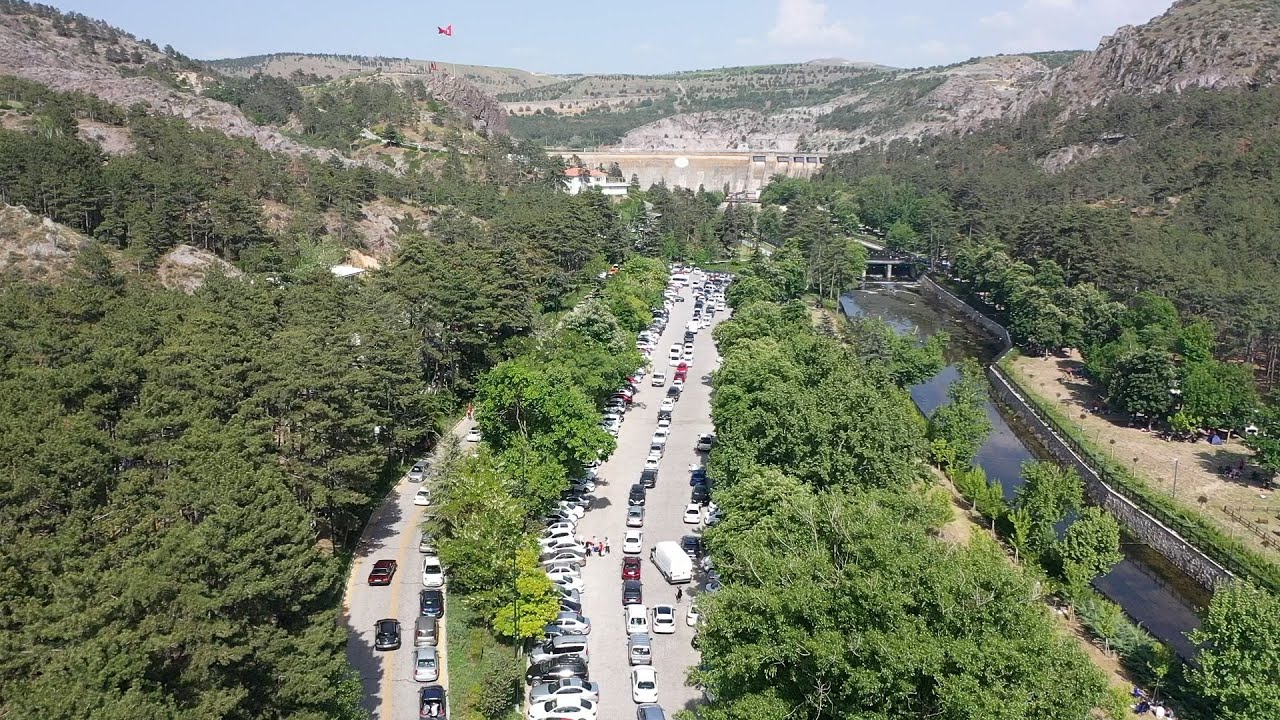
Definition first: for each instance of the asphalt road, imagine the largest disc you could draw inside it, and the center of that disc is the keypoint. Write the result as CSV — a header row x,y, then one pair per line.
x,y
392,533
673,654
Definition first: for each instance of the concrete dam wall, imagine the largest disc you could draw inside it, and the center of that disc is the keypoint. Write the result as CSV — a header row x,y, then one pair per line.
x,y
742,171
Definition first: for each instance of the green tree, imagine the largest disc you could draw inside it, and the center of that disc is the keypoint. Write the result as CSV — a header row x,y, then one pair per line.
x,y
1048,494
1090,547
1140,383
1238,654
959,426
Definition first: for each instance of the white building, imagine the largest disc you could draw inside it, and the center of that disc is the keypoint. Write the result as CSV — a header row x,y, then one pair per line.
x,y
578,179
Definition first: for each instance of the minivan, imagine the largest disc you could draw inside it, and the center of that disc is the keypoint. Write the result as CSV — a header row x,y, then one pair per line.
x,y
639,648
636,618
426,632
560,646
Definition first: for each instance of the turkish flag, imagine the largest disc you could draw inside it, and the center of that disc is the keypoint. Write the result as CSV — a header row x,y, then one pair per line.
x,y
446,30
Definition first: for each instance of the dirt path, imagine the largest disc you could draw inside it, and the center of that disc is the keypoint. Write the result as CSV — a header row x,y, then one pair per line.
x,y
1199,485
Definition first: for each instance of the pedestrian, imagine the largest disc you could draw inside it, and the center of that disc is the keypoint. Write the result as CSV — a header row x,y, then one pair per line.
x,y
607,548
589,548
471,410
679,594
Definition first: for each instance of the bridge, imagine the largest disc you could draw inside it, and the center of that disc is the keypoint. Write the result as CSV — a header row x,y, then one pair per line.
x,y
742,171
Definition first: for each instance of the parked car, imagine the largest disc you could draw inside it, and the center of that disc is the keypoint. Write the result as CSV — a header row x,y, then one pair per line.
x,y
432,703
563,709
632,542
644,684
692,546
664,619
673,392
418,472
557,669
692,514
571,623
560,646
386,634
631,568
473,435
426,664
569,688
382,572
431,603
692,616
699,495
636,495
632,592
635,516
705,442
426,544
432,572
563,555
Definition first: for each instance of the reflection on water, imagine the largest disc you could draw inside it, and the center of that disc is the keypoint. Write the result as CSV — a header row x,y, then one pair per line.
x,y
1152,592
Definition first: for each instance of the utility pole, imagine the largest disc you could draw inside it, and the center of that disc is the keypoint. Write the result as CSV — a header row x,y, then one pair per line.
x,y
1175,478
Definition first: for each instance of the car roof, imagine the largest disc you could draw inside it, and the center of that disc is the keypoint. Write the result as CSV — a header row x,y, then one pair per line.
x,y
387,623
383,563
433,692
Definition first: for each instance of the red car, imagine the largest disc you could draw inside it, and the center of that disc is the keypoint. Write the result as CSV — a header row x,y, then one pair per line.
x,y
630,568
382,572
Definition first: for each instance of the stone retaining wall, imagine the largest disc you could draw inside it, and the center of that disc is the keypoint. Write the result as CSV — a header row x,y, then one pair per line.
x,y
1136,521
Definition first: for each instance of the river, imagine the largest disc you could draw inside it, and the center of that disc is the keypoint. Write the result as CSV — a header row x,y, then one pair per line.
x,y
1152,591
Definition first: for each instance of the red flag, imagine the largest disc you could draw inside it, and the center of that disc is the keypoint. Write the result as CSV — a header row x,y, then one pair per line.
x,y
446,30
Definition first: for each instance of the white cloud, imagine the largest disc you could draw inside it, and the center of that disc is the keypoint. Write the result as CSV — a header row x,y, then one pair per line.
x,y
939,50
804,22
1063,24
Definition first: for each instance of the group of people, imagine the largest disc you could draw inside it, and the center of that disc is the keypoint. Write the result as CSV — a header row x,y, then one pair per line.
x,y
1146,705
599,547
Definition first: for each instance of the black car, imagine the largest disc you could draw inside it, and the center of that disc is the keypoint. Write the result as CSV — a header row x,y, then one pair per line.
x,y
649,477
431,703
688,336
692,545
699,495
431,603
674,392
386,634
636,496
571,604
560,668
632,592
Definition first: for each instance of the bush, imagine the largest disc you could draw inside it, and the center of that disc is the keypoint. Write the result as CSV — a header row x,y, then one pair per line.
x,y
500,683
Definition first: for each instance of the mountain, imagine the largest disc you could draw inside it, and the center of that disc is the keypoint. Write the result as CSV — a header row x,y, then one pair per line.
x,y
492,80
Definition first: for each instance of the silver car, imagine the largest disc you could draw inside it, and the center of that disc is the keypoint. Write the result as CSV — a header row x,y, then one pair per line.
x,y
572,623
569,689
426,665
635,516
418,471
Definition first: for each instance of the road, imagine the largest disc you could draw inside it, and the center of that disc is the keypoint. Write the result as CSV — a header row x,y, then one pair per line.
x,y
392,533
673,655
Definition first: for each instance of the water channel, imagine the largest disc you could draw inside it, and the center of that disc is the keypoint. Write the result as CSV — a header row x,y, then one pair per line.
x,y
1152,592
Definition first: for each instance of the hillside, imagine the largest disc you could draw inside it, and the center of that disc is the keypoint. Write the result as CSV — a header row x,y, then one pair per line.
x,y
492,80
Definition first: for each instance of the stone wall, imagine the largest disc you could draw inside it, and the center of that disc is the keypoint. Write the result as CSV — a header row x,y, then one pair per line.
x,y
1136,521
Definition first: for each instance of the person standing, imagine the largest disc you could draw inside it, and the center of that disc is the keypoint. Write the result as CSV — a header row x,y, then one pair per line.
x,y
679,594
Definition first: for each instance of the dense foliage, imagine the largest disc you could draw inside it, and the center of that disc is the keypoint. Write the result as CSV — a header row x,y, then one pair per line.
x,y
838,599
1176,196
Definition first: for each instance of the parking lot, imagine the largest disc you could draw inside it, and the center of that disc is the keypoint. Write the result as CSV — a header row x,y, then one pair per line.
x,y
673,654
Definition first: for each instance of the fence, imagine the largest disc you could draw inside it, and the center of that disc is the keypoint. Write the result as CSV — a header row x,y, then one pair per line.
x,y
1147,515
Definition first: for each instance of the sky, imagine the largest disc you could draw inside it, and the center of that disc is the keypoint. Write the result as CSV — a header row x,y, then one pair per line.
x,y
651,36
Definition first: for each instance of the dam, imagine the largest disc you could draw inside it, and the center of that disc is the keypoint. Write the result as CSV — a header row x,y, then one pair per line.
x,y
740,171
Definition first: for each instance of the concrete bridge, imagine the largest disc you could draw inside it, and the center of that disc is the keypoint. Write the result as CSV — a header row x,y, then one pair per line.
x,y
742,171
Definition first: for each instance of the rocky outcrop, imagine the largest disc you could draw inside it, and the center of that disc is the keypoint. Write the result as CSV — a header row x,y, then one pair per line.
x,y
485,112
30,49
1215,44
35,247
186,268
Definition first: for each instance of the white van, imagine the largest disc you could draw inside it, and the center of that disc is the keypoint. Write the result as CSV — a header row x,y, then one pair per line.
x,y
637,618
659,378
673,357
672,562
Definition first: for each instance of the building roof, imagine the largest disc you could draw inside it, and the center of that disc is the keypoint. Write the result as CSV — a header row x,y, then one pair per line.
x,y
576,172
345,271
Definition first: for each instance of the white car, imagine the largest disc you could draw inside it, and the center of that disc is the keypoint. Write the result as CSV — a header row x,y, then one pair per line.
x,y
473,435
566,708
659,439
668,404
712,517
566,689
664,619
664,423
632,542
432,572
644,684
572,508
554,538
422,497
678,384
570,582
557,557
561,571
692,616
692,514
705,442
559,526
426,665
654,457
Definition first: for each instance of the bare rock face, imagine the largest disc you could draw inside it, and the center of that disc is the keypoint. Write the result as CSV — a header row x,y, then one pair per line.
x,y
720,130
1214,44
485,112
32,246
186,268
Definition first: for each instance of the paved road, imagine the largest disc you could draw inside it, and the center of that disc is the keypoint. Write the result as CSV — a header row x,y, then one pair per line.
x,y
673,655
392,533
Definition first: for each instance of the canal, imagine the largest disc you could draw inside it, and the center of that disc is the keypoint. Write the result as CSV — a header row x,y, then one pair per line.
x,y
1152,592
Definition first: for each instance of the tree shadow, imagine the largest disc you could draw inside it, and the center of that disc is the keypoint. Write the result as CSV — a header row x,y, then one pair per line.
x,y
1232,466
